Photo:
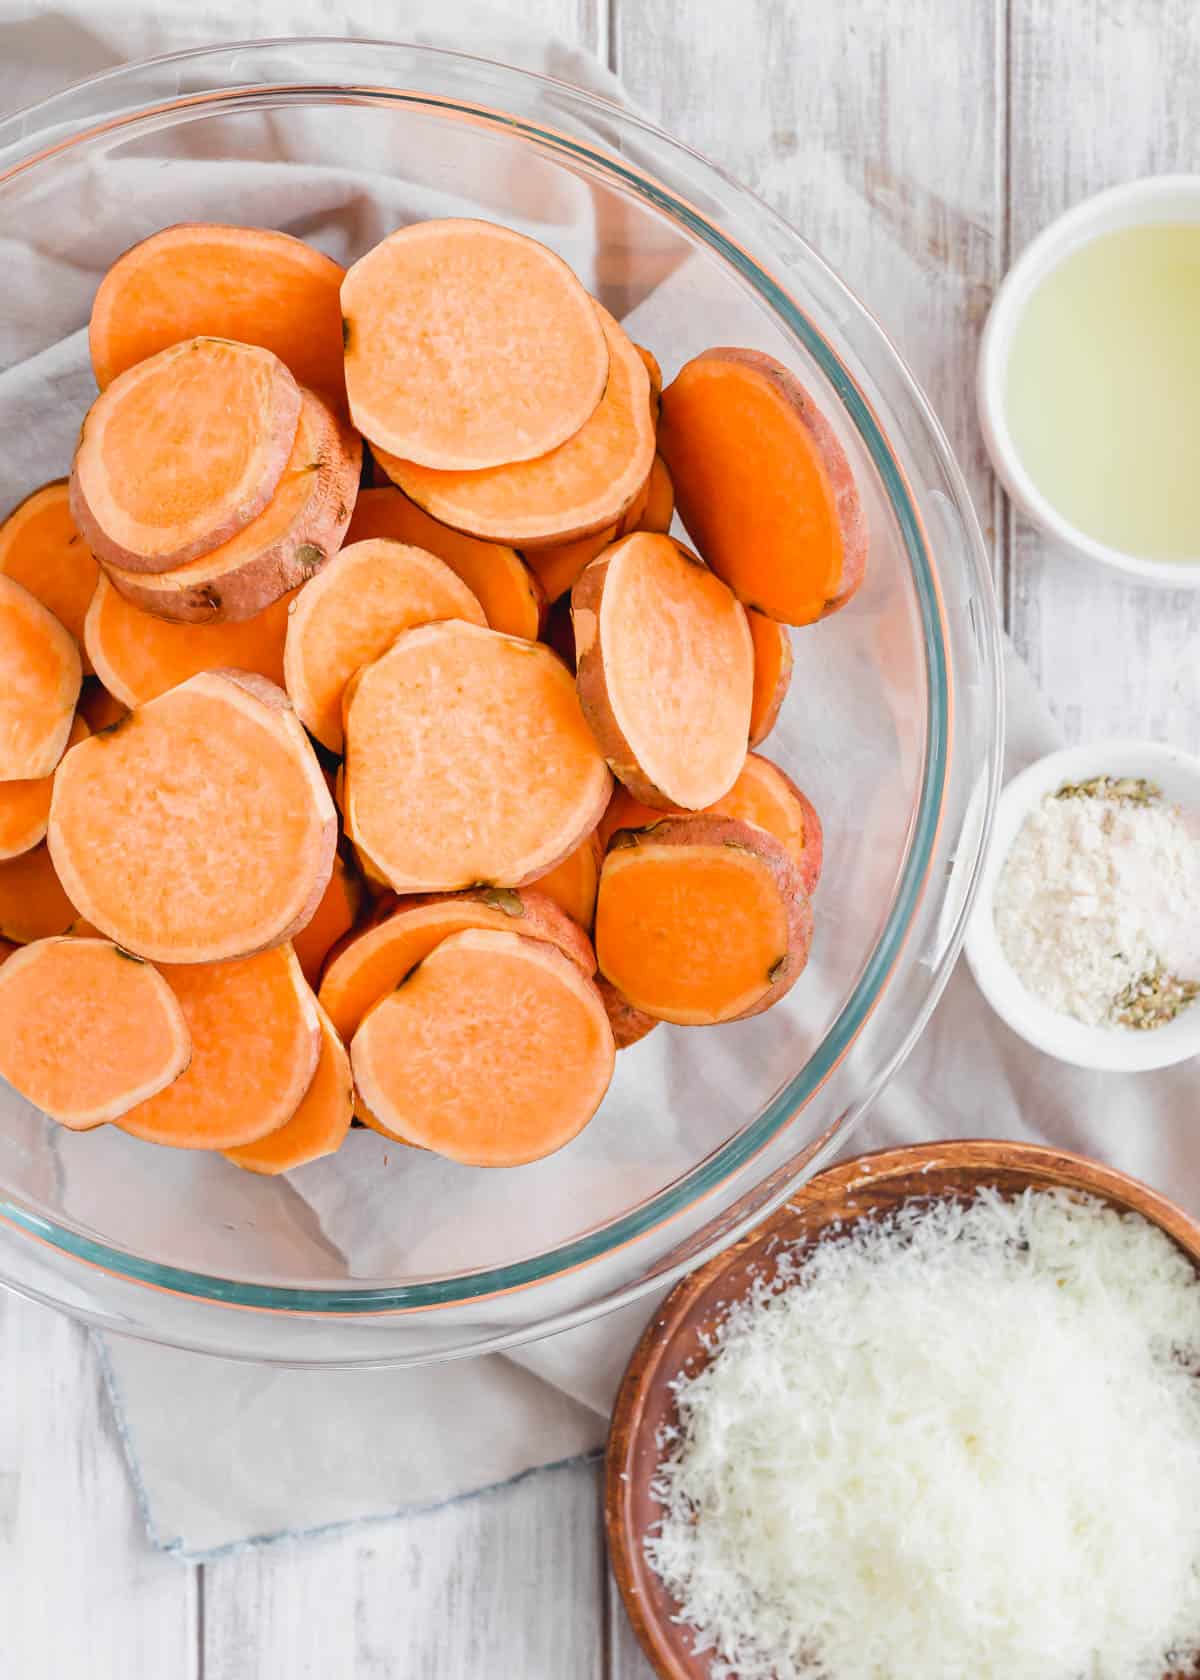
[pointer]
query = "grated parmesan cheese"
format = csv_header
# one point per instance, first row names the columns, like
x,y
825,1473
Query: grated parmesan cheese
x,y
959,1441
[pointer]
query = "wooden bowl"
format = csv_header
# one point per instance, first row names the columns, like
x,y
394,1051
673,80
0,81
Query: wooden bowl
x,y
671,1343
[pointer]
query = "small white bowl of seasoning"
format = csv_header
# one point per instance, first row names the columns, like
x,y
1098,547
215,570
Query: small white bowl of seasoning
x,y
1085,936
1089,380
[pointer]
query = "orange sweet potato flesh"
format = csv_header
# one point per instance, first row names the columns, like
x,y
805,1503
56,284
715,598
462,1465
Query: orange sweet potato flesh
x,y
33,904
352,612
468,761
181,452
204,280
339,909
665,671
40,679
138,656
495,1051
468,346
289,542
98,708
506,589
321,1122
629,1025
200,828
25,806
763,485
654,374
558,567
659,509
701,919
772,673
762,795
404,931
87,1031
572,884
631,519
42,549
580,487
256,1041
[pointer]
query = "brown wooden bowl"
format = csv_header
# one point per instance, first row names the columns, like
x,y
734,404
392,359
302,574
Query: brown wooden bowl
x,y
671,1343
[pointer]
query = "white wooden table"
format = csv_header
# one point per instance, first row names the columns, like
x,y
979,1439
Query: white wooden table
x,y
919,144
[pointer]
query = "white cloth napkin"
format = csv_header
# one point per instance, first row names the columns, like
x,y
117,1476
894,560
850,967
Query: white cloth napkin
x,y
226,1455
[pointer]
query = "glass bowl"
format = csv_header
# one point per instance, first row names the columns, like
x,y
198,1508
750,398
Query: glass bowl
x,y
893,724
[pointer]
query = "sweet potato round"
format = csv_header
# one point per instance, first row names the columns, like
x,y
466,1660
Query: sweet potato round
x,y
352,612
497,576
763,485
572,883
40,678
25,806
701,919
772,673
665,669
41,548
580,487
289,542
181,452
341,905
321,1122
256,1042
33,904
203,279
469,345
558,568
198,829
468,761
87,1031
659,509
495,1051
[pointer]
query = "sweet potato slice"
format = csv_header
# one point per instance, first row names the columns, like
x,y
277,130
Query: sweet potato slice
x,y
201,827
665,671
352,612
203,280
631,519
763,485
403,932
33,904
701,919
772,672
181,452
256,1042
42,549
659,509
580,487
138,656
572,884
468,761
468,346
497,576
629,1025
25,806
320,1124
654,374
98,708
87,1031
289,542
40,679
339,909
557,568
495,1051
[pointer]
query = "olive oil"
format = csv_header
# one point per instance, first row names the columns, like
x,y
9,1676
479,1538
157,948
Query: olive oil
x,y
1103,390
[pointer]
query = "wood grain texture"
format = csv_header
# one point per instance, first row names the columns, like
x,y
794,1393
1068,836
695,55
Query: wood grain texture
x,y
82,1593
1101,93
506,1584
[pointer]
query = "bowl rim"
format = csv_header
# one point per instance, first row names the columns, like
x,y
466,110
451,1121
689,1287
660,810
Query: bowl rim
x,y
1104,1049
1130,204
706,1176
929,1167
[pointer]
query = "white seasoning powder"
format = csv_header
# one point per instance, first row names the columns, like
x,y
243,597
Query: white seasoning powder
x,y
959,1441
1095,894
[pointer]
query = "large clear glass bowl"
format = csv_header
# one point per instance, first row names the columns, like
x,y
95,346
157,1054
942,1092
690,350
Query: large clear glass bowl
x,y
893,723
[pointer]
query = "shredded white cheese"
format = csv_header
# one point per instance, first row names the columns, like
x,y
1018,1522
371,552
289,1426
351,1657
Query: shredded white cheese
x,y
961,1441
1094,895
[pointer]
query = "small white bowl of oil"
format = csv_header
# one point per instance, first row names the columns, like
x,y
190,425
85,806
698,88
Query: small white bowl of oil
x,y
1089,380
1117,1049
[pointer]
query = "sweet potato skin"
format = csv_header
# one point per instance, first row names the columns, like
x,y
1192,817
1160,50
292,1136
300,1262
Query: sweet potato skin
x,y
629,1025
695,500
718,832
772,654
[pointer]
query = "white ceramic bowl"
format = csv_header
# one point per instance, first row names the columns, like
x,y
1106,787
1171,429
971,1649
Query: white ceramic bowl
x,y
1158,198
1116,1049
